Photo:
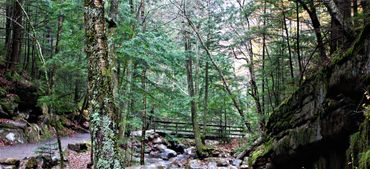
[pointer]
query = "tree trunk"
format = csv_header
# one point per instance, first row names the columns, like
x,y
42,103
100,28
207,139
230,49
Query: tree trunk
x,y
288,43
206,85
366,7
235,100
298,47
254,89
8,25
193,107
143,117
13,58
311,10
101,102
56,50
341,29
263,56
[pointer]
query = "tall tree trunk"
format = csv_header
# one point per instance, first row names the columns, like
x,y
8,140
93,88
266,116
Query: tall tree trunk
x,y
235,100
355,8
56,51
366,7
263,56
206,72
101,102
193,107
206,86
254,89
143,117
143,79
8,26
341,31
298,47
311,10
13,58
285,26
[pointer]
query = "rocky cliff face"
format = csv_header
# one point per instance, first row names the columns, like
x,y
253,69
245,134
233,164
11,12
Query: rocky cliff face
x,y
312,128
21,119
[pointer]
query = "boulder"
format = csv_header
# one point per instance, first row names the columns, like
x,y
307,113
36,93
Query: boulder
x,y
9,103
12,124
7,167
47,162
79,147
158,140
9,161
160,147
12,135
212,165
33,133
221,162
29,163
232,167
196,164
151,137
154,154
179,148
244,166
167,154
191,151
237,162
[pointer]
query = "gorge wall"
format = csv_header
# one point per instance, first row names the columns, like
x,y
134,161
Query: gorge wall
x,y
312,128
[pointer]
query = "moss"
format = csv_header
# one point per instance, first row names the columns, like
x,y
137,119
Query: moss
x,y
358,153
261,151
2,91
354,49
364,162
9,103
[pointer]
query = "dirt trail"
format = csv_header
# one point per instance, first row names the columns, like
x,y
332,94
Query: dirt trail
x,y
20,151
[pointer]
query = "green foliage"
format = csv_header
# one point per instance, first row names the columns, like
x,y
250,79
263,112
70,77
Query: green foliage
x,y
364,160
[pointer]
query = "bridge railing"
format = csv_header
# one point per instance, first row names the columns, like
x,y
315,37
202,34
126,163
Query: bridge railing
x,y
185,129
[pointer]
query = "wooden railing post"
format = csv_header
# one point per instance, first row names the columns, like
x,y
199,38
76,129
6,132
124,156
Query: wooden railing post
x,y
176,129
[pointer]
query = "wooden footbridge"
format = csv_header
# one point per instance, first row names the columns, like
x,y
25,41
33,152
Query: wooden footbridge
x,y
185,130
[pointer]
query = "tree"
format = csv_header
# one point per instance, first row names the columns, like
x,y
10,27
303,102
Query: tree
x,y
101,103
193,107
311,10
341,29
14,45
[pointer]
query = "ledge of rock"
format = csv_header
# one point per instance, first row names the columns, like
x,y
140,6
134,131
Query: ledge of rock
x,y
311,129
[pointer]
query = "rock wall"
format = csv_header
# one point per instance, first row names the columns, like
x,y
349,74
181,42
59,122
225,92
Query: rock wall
x,y
312,128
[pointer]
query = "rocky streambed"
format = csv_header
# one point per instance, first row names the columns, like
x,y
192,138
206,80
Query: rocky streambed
x,y
162,151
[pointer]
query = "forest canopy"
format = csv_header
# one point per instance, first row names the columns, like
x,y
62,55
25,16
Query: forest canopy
x,y
121,65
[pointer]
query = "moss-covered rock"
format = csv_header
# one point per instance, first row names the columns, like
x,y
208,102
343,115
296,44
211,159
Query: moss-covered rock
x,y
358,153
313,126
9,103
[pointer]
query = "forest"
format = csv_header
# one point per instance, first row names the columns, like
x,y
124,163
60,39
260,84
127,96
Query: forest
x,y
193,84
